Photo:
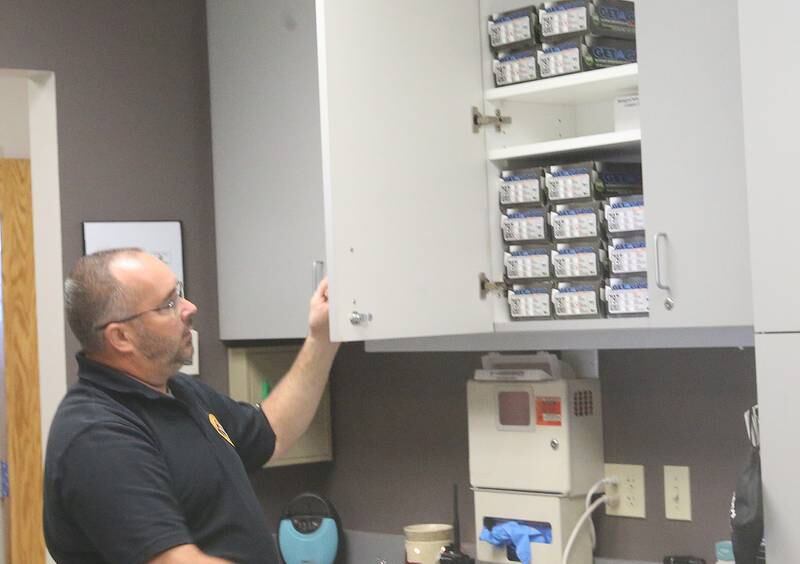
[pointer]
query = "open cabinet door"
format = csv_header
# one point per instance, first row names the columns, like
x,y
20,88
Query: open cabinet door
x,y
403,173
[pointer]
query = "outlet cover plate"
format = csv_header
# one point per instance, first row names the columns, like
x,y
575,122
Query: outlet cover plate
x,y
677,493
630,490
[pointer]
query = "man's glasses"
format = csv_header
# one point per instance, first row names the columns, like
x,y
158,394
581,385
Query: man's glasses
x,y
170,305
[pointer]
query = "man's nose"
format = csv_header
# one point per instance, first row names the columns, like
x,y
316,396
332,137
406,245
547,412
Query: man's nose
x,y
188,309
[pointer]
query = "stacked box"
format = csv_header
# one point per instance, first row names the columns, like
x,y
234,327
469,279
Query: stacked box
x,y
513,30
555,221
584,53
604,18
577,300
530,301
515,67
572,222
523,186
527,262
626,289
578,260
526,232
626,297
561,38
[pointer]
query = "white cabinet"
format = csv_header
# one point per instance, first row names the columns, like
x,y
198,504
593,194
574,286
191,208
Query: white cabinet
x,y
404,176
776,370
411,213
411,219
253,372
693,162
267,173
771,122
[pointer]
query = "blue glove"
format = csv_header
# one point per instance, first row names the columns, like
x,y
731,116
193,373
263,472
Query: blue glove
x,y
521,536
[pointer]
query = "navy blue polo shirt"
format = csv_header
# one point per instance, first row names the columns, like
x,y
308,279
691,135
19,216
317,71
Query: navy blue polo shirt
x,y
131,472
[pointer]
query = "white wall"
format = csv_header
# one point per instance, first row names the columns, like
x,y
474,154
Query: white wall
x,y
14,138
28,129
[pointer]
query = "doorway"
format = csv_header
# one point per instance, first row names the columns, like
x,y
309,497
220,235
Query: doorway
x,y
34,372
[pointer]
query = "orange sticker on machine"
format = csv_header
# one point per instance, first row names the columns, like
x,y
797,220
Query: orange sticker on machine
x,y
548,411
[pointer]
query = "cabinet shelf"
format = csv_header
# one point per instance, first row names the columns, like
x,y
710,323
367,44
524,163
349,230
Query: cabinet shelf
x,y
572,88
550,325
602,141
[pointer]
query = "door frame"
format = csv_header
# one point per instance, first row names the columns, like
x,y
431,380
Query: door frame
x,y
48,254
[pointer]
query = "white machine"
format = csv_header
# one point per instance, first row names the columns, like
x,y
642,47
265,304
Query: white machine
x,y
535,450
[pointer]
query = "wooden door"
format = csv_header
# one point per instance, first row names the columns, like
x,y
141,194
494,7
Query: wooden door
x,y
22,412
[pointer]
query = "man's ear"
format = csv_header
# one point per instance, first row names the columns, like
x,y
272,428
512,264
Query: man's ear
x,y
118,338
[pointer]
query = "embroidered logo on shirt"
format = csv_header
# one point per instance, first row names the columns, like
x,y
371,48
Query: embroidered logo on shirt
x,y
220,429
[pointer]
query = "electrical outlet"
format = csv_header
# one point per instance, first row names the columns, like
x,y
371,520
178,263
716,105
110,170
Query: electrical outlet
x,y
677,493
629,490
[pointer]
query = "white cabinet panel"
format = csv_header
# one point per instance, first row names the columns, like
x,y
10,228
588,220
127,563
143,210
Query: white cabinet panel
x,y
693,163
404,175
267,164
778,386
770,86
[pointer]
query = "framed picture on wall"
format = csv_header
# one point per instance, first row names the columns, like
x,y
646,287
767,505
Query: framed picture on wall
x,y
163,239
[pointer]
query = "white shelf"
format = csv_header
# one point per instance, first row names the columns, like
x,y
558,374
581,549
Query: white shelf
x,y
549,325
575,88
614,140
574,335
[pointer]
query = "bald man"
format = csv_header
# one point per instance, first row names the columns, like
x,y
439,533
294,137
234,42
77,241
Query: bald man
x,y
146,465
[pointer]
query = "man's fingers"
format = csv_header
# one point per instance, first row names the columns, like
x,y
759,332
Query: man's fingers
x,y
322,290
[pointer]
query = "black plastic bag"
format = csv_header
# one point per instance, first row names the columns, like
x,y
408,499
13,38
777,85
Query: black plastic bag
x,y
747,506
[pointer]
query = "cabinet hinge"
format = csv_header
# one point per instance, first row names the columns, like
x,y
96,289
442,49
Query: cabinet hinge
x,y
479,120
487,286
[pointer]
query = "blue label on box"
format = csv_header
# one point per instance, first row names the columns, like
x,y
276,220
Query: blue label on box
x,y
529,252
620,178
576,251
516,56
531,176
633,204
573,289
512,16
529,213
524,291
570,171
561,47
616,14
562,7
629,286
634,245
613,54
579,211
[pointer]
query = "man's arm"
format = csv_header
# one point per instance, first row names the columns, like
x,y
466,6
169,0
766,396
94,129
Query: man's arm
x,y
292,404
186,554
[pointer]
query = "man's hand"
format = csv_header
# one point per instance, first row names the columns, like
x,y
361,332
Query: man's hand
x,y
292,404
318,314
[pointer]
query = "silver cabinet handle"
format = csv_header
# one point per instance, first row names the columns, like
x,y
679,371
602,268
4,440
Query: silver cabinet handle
x,y
659,281
357,318
669,303
317,273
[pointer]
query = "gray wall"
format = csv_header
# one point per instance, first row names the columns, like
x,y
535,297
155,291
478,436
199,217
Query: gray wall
x,y
400,442
134,143
133,126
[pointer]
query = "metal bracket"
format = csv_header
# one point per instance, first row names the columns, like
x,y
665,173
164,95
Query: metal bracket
x,y
479,120
487,286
